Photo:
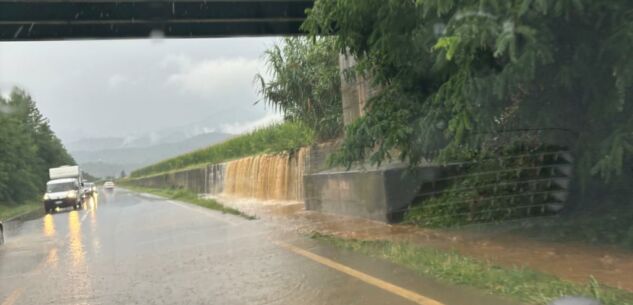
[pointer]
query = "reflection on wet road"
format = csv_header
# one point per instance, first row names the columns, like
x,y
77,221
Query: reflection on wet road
x,y
130,249
76,246
49,225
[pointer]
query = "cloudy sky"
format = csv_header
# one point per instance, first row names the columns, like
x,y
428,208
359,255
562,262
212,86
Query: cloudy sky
x,y
118,88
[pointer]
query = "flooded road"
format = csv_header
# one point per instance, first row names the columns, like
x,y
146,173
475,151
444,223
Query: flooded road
x,y
139,249
572,261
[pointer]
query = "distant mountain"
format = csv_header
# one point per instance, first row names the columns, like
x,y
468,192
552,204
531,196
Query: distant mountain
x,y
221,121
109,155
93,144
143,140
101,160
102,170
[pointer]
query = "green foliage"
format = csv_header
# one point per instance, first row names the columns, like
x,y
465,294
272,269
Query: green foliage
x,y
88,177
28,147
522,284
11,210
273,139
451,71
306,84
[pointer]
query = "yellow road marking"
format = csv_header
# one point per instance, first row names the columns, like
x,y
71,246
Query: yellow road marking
x,y
15,294
397,290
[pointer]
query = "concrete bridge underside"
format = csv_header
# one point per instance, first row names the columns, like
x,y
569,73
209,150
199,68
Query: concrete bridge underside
x,y
23,20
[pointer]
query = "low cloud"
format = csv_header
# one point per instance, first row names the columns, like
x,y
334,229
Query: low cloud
x,y
118,80
213,78
238,128
137,86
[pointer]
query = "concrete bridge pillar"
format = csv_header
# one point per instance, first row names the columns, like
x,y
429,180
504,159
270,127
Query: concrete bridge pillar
x,y
355,90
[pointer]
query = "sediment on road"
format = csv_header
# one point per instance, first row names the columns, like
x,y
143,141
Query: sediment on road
x,y
573,262
521,283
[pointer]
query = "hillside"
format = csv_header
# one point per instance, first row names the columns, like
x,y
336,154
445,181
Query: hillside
x,y
276,138
111,161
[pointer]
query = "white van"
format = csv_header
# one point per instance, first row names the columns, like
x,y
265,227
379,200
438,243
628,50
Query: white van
x,y
61,193
64,189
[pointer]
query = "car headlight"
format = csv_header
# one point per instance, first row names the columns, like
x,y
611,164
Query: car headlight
x,y
71,194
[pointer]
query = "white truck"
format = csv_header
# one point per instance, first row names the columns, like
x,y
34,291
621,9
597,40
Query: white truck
x,y
64,189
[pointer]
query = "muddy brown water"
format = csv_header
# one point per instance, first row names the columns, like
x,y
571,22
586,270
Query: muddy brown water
x,y
571,261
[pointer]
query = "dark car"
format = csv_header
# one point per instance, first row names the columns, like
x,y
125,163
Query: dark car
x,y
89,189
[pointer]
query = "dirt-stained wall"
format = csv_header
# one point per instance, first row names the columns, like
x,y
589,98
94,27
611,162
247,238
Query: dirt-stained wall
x,y
265,177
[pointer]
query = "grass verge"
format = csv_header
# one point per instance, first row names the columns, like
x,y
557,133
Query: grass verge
x,y
190,197
273,139
522,284
8,211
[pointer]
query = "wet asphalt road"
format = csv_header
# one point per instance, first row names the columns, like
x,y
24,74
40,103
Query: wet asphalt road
x,y
127,248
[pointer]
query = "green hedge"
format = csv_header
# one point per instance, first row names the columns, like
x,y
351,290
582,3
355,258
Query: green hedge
x,y
273,139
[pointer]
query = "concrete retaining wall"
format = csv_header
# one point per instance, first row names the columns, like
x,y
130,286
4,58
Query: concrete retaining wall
x,y
273,176
266,177
379,193
317,155
191,179
356,90
215,178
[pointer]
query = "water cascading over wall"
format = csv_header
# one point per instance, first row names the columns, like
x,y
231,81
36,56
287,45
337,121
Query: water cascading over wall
x,y
266,177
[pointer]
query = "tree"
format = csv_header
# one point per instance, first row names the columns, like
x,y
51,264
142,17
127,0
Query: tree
x,y
50,151
452,72
87,176
305,84
18,178
28,148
